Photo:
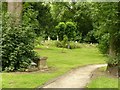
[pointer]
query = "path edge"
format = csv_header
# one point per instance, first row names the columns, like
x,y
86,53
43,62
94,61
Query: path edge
x,y
58,77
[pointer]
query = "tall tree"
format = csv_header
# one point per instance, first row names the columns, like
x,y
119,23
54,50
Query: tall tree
x,y
107,22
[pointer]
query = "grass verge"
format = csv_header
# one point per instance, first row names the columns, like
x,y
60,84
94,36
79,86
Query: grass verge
x,y
104,82
102,79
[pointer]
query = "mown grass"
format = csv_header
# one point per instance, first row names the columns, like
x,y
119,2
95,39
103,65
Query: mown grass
x,y
0,80
61,62
104,82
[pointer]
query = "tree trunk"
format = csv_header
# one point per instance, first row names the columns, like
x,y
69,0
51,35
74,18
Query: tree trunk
x,y
111,48
111,68
15,10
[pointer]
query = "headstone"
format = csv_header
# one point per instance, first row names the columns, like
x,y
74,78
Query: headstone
x,y
57,38
48,38
76,42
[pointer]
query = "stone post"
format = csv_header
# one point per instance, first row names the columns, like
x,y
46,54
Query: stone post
x,y
42,63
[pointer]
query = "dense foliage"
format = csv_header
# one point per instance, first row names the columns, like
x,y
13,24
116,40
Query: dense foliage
x,y
107,29
17,43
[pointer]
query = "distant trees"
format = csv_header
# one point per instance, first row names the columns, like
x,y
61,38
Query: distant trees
x,y
77,12
44,18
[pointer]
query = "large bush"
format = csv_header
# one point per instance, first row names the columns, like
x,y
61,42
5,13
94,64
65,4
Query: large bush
x,y
60,29
68,29
17,45
104,43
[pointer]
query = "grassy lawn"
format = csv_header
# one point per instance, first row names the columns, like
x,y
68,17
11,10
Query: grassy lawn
x,y
104,82
61,62
0,81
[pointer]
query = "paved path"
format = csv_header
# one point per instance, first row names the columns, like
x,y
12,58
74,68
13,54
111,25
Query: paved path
x,y
77,78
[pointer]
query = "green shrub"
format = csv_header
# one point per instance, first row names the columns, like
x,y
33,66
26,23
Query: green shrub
x,y
17,45
69,45
114,60
65,41
70,30
58,44
77,45
60,29
38,41
49,43
104,43
74,45
17,48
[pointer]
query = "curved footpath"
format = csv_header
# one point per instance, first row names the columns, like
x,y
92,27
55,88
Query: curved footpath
x,y
77,78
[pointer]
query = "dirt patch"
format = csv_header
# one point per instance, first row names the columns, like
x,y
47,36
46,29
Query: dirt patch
x,y
49,70
97,73
38,49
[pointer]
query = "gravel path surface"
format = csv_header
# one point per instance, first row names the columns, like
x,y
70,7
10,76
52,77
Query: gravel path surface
x,y
77,78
